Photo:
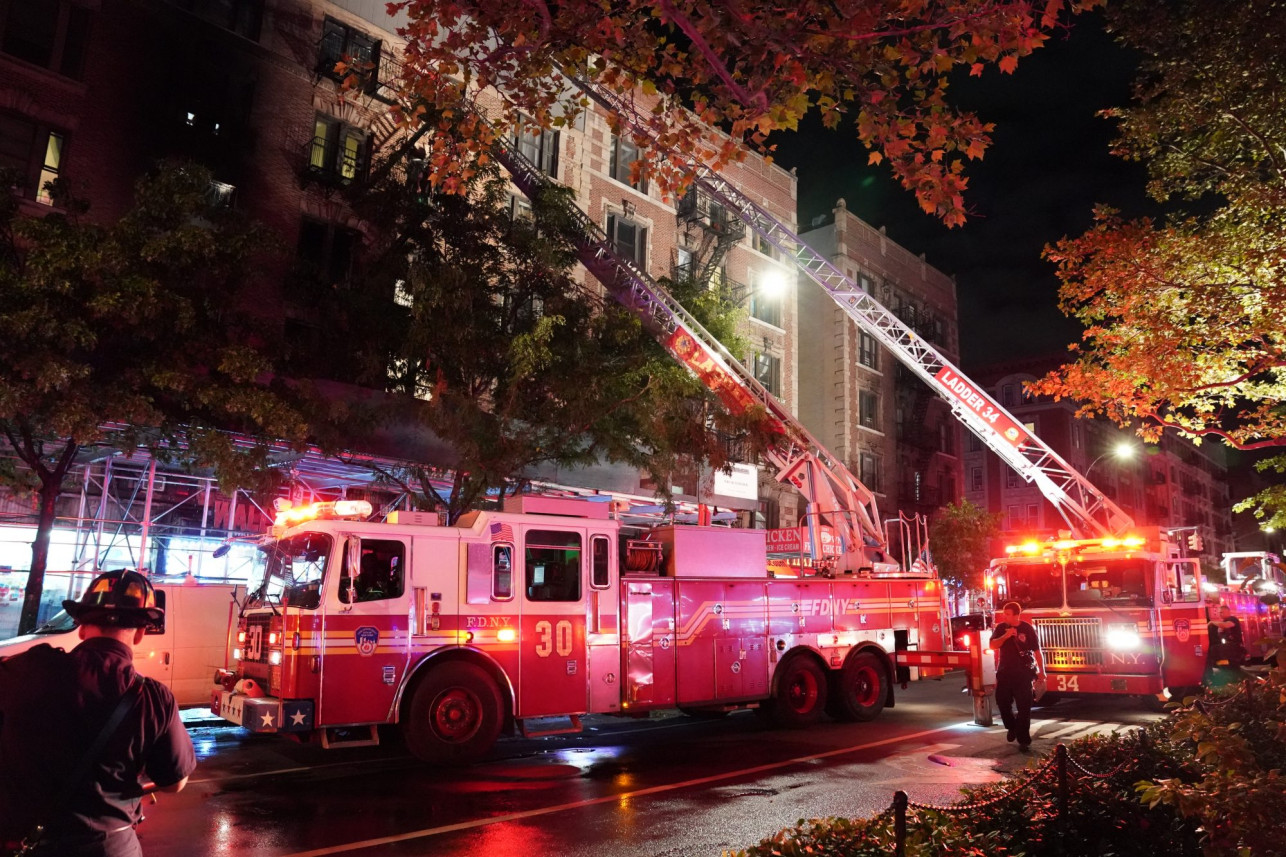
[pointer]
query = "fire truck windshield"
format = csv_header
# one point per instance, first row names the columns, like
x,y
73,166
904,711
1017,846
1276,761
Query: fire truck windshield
x,y
289,572
1090,582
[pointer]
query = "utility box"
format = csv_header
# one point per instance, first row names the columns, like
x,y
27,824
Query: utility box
x,y
712,551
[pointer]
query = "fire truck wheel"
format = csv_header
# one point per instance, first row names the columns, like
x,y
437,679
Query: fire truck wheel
x,y
454,716
861,688
800,699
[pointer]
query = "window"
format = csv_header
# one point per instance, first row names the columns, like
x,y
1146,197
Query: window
x,y
380,575
868,409
946,438
975,478
763,246
765,298
620,167
33,151
243,17
553,566
1008,395
1012,480
342,43
502,572
973,443
628,238
328,249
868,353
49,33
538,146
600,575
868,468
866,283
767,371
337,152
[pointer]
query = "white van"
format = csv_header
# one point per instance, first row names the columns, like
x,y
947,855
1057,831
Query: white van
x,y
184,655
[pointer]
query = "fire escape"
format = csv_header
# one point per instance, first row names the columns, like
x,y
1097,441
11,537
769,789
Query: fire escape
x,y
709,232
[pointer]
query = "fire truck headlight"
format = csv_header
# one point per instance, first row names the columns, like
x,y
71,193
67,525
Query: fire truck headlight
x,y
274,657
1122,636
236,654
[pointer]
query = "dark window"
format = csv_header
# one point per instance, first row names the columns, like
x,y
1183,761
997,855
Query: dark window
x,y
628,238
868,466
868,409
975,478
342,43
601,575
381,575
763,246
868,352
33,151
49,33
243,17
624,154
337,152
540,147
974,443
767,371
328,249
553,566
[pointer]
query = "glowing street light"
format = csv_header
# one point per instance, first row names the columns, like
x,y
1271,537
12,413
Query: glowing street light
x,y
1122,451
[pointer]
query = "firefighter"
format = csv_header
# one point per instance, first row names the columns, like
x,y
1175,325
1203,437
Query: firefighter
x,y
1231,647
1021,663
54,705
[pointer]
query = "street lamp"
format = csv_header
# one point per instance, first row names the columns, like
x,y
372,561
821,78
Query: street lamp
x,y
1123,451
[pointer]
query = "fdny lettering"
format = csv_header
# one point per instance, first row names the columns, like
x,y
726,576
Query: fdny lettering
x,y
367,638
1131,658
487,622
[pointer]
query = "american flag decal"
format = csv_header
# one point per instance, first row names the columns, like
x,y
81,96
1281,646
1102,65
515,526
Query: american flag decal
x,y
502,532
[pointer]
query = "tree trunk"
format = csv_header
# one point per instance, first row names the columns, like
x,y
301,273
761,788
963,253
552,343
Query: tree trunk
x,y
49,490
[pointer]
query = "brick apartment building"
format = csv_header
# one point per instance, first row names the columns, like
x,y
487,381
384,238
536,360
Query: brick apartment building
x,y
859,400
97,91
1173,485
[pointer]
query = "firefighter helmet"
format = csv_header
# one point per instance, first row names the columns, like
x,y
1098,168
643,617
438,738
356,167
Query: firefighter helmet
x,y
124,599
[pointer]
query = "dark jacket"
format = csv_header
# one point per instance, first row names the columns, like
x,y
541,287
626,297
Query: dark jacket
x,y
52,706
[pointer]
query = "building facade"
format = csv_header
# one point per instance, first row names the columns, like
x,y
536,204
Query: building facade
x,y
96,92
860,400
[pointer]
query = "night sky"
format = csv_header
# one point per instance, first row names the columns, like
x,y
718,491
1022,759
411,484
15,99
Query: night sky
x,y
1048,165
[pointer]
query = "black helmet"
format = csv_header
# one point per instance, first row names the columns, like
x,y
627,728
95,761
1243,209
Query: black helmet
x,y
124,599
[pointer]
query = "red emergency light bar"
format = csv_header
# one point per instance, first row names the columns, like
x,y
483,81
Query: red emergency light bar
x,y
1107,543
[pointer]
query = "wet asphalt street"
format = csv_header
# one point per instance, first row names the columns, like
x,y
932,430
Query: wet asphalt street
x,y
664,787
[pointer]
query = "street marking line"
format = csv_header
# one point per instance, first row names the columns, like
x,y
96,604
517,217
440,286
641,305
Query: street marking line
x,y
652,790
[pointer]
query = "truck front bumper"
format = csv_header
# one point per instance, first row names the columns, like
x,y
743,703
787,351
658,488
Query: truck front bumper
x,y
266,713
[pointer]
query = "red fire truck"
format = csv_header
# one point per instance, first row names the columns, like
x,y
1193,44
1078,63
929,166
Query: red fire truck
x,y
1124,615
507,618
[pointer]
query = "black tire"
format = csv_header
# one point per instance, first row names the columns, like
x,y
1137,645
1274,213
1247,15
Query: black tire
x,y
800,698
455,715
860,689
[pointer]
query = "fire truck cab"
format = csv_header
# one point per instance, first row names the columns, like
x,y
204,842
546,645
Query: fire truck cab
x,y
1124,615
456,633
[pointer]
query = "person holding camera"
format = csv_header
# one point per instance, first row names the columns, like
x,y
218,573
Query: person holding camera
x,y
78,729
1019,665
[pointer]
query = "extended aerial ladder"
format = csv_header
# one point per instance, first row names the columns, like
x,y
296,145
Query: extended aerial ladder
x,y
1087,511
835,496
